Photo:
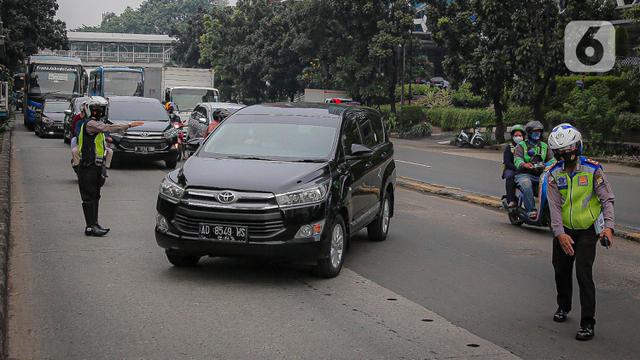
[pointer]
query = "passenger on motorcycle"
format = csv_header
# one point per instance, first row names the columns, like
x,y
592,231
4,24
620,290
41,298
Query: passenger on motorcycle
x,y
509,168
530,158
171,108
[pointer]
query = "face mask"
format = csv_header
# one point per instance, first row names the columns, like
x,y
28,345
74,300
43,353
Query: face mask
x,y
569,158
517,139
535,136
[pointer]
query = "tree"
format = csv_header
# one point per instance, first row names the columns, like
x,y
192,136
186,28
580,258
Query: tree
x,y
29,27
539,47
186,50
479,38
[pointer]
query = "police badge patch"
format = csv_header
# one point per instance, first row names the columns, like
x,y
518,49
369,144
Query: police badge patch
x,y
562,182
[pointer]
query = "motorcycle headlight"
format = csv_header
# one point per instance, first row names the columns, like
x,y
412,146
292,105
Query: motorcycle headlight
x,y
305,197
171,133
171,191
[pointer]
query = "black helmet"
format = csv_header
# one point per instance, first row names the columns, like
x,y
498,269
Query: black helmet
x,y
533,126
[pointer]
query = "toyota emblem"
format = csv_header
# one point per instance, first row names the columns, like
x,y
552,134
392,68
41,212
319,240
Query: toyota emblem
x,y
144,134
226,197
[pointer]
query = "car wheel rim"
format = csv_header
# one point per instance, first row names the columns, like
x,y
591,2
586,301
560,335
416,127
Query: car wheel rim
x,y
337,245
386,215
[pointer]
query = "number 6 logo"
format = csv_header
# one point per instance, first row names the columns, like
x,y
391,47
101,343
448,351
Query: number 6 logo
x,y
589,46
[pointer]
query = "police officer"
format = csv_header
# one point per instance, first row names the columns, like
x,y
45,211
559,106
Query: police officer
x,y
581,208
91,150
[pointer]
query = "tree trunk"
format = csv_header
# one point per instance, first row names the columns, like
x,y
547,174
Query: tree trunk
x,y
499,109
538,101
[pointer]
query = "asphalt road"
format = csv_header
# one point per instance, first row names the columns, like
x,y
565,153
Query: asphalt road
x,y
480,171
73,297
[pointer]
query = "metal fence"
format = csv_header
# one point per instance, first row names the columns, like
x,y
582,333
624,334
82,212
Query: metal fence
x,y
115,57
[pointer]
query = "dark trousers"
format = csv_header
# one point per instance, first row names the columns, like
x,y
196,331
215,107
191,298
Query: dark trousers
x,y
510,184
585,254
90,181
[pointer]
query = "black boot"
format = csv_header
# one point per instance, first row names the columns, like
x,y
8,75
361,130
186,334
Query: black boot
x,y
89,218
94,230
96,210
585,333
560,315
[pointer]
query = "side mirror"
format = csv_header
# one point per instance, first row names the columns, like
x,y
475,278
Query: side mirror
x,y
359,151
67,112
194,144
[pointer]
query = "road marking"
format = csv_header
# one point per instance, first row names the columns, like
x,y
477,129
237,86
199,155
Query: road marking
x,y
413,163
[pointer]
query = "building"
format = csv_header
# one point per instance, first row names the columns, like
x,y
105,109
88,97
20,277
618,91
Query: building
x,y
96,48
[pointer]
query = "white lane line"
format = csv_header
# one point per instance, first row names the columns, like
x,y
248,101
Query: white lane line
x,y
413,163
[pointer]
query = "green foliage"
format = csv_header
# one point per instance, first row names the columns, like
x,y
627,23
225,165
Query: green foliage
x,y
435,97
410,116
555,117
418,131
456,118
627,121
615,85
518,115
416,90
29,26
464,97
594,111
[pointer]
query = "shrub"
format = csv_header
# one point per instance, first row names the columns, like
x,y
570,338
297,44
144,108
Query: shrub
x,y
555,117
518,115
435,98
417,131
456,118
464,97
416,90
614,85
410,116
628,122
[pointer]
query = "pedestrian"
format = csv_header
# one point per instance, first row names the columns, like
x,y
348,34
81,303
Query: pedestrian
x,y
509,169
581,208
92,152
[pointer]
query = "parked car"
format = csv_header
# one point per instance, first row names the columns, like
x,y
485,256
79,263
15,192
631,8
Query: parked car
x,y
50,122
206,116
74,107
292,181
156,140
439,82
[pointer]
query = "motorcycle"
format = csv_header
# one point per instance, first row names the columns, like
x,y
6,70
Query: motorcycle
x,y
181,144
518,215
475,139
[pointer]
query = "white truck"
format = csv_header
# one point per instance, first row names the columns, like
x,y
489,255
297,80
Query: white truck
x,y
186,87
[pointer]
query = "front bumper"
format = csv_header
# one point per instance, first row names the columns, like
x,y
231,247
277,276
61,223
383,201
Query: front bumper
x,y
159,151
52,128
272,233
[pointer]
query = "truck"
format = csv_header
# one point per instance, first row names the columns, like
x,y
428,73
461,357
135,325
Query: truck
x,y
116,80
49,76
185,87
322,95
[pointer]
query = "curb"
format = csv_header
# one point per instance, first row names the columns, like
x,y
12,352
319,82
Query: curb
x,y
480,199
5,212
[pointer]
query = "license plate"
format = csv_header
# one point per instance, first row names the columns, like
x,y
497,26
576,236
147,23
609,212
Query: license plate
x,y
144,149
223,232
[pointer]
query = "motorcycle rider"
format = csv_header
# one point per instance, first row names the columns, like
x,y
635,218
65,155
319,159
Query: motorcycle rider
x,y
509,169
171,108
530,156
91,150
580,203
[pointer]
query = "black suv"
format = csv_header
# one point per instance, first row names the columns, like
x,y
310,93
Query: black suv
x,y
281,180
156,140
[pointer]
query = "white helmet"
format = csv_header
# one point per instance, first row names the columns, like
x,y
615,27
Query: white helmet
x,y
565,135
96,105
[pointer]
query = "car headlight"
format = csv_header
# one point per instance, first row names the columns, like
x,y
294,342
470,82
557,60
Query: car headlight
x,y
171,191
46,120
171,133
116,137
303,197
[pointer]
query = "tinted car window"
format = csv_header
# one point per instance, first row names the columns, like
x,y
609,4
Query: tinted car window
x,y
134,110
351,134
378,127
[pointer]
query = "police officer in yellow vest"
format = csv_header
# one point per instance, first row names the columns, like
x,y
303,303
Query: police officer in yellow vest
x,y
581,208
91,149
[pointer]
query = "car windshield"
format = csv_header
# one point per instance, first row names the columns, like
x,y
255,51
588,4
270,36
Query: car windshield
x,y
56,107
123,83
52,82
134,110
271,137
187,99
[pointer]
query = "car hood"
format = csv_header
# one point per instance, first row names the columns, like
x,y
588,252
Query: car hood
x,y
250,175
55,116
149,126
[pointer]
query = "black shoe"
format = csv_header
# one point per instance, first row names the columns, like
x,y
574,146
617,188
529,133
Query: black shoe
x,y
560,315
101,228
94,230
585,333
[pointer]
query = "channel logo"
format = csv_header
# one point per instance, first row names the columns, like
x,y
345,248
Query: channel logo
x,y
590,46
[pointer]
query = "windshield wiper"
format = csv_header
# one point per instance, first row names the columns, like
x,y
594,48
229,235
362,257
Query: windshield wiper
x,y
310,161
249,158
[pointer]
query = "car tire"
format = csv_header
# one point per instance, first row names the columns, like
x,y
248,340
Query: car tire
x,y
331,265
178,259
379,228
171,162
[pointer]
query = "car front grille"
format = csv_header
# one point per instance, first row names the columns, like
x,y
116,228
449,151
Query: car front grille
x,y
131,143
260,225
